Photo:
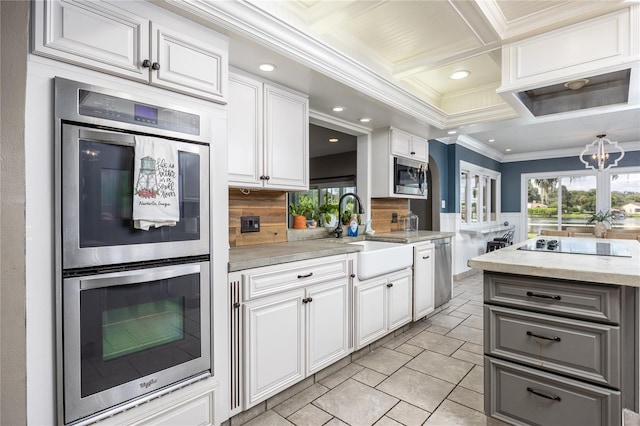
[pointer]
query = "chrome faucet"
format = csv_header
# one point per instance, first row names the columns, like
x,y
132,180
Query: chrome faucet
x,y
358,205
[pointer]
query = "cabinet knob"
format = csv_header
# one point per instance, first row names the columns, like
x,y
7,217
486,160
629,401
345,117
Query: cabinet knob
x,y
307,300
236,305
155,66
353,275
413,153
146,63
390,285
267,177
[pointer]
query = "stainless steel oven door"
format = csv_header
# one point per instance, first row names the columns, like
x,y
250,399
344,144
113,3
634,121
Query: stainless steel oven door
x,y
97,195
129,334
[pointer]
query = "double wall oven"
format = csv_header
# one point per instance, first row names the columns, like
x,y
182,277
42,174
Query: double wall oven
x,y
133,306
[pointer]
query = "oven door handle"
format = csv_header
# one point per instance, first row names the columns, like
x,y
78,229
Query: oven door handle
x,y
114,279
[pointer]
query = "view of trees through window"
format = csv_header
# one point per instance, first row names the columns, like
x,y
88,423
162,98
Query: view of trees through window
x,y
322,198
558,202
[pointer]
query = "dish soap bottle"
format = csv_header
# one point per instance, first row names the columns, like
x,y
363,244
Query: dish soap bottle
x,y
353,227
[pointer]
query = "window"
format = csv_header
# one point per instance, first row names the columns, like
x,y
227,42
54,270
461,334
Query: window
x,y
564,200
479,195
324,193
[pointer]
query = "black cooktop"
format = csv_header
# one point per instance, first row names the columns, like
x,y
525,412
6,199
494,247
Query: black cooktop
x,y
579,246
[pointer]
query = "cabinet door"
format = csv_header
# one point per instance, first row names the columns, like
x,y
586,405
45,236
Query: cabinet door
x,y
328,324
286,140
244,128
274,345
399,291
419,149
92,35
371,312
423,285
196,65
400,143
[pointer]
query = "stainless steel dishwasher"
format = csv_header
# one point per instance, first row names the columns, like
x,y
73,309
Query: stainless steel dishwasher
x,y
443,277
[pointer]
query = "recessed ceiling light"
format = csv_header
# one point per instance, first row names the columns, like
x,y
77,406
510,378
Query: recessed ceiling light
x,y
365,119
491,140
338,109
459,75
451,132
333,140
267,67
508,149
576,84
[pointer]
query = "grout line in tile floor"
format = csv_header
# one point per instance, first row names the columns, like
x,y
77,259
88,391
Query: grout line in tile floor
x,y
422,384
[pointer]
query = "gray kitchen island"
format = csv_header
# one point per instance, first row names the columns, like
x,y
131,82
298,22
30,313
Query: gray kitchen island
x,y
561,331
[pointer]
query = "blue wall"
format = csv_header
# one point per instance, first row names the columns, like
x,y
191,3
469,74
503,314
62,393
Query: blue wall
x,y
448,159
512,174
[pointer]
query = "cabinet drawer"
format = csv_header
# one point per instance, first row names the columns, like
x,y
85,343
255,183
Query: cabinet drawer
x,y
575,299
581,349
524,396
273,279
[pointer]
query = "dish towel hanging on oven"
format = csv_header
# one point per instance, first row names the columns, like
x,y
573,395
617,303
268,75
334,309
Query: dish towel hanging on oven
x,y
155,191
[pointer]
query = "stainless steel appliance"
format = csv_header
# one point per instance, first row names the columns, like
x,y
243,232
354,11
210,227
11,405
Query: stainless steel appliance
x,y
443,272
578,246
97,130
132,333
409,177
133,307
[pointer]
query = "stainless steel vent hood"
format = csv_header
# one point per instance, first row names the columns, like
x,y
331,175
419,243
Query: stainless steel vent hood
x,y
590,92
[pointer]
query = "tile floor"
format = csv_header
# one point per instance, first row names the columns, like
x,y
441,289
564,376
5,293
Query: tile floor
x,y
432,374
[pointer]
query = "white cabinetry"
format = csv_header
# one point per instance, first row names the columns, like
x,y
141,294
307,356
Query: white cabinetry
x,y
382,304
112,38
268,135
404,144
423,280
295,321
389,143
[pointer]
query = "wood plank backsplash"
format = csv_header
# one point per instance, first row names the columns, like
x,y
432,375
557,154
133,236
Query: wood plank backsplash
x,y
271,206
381,212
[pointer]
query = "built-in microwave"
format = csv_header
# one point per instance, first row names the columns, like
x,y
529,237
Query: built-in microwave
x,y
409,177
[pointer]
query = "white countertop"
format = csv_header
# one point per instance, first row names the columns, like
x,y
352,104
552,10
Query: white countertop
x,y
570,266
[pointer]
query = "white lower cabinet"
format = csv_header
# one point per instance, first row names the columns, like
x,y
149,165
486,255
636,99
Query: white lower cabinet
x,y
294,332
423,280
382,304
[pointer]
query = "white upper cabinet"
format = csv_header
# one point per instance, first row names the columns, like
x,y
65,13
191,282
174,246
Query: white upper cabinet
x,y
268,133
167,53
410,146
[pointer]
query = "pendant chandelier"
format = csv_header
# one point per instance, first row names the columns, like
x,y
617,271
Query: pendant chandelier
x,y
601,154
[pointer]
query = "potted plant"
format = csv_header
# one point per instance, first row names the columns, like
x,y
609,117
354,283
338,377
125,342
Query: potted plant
x,y
299,216
328,214
599,220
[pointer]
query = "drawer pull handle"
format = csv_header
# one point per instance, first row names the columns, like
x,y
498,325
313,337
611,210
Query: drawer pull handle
x,y
425,257
390,285
553,397
555,339
306,275
307,300
543,296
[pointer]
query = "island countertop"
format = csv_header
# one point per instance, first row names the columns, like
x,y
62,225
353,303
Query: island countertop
x,y
410,237
570,266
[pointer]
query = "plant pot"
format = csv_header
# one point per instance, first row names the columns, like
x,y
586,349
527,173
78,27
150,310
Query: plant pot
x,y
299,222
332,222
599,230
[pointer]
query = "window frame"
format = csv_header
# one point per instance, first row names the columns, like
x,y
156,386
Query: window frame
x,y
603,187
484,175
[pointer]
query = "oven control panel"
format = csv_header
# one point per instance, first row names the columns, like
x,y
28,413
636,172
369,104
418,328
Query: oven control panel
x,y
100,105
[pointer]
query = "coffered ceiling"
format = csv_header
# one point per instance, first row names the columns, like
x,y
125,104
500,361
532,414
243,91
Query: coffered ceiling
x,y
412,47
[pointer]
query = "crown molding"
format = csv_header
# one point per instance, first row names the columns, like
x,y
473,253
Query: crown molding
x,y
479,147
249,21
337,124
560,153
481,115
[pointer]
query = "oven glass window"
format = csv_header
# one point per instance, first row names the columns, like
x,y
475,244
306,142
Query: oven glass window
x,y
131,331
106,196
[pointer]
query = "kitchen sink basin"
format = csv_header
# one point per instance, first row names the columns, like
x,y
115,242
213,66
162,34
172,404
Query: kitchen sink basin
x,y
379,258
